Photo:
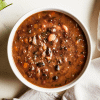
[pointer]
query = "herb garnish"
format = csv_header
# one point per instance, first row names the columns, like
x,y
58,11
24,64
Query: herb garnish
x,y
3,4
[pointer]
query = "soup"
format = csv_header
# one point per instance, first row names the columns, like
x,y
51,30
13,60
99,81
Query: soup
x,y
49,49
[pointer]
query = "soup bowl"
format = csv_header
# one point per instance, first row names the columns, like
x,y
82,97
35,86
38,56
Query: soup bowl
x,y
16,71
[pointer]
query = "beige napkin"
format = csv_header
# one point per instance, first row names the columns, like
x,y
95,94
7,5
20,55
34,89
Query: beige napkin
x,y
88,87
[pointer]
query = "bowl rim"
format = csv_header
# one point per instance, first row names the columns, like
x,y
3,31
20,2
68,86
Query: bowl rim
x,y
16,71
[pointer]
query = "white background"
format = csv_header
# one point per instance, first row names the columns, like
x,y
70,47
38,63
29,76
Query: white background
x,y
85,10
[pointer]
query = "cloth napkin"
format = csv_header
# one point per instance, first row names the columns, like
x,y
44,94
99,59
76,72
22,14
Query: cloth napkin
x,y
88,88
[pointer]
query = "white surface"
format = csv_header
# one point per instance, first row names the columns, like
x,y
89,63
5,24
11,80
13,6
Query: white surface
x,y
86,10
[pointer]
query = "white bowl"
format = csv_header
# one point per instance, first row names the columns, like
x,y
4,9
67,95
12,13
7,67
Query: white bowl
x,y
16,71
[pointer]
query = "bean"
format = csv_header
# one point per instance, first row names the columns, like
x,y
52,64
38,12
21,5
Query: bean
x,y
30,39
39,37
48,58
40,49
55,78
44,74
58,28
24,51
29,26
29,31
48,30
29,47
43,26
33,68
35,52
57,68
43,54
65,59
51,37
48,51
35,56
56,40
59,61
53,30
65,48
65,28
37,72
34,40
69,62
40,64
44,70
44,46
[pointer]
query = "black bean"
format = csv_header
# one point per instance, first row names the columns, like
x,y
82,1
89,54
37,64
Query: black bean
x,y
40,64
61,47
33,68
35,52
45,40
70,63
83,52
55,77
44,74
48,51
59,61
57,67
65,48
48,30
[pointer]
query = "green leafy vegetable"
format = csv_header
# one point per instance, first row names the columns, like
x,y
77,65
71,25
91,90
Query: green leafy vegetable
x,y
3,4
